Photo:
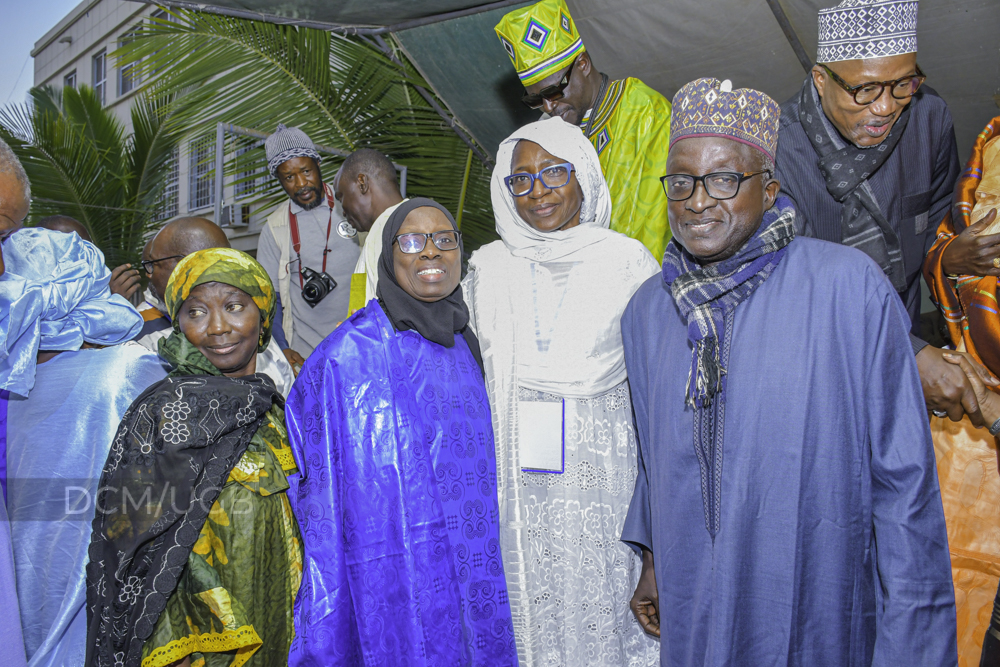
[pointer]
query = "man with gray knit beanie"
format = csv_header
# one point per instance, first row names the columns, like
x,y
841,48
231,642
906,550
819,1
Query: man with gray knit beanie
x,y
307,247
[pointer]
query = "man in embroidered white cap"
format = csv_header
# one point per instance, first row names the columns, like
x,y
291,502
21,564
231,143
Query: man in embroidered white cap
x,y
787,505
868,154
307,247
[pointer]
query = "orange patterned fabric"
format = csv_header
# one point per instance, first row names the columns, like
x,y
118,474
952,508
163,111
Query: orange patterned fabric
x,y
969,303
966,455
970,490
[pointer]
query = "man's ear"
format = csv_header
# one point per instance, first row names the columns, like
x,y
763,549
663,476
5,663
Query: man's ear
x,y
583,63
819,79
771,193
364,185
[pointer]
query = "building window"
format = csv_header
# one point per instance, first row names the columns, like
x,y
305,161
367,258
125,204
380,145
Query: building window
x,y
166,207
128,78
249,161
201,173
99,76
69,81
162,15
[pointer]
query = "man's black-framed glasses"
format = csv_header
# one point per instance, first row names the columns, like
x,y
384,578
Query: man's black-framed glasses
x,y
718,185
147,264
866,93
550,93
552,177
411,244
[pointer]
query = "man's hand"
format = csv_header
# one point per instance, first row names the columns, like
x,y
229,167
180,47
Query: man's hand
x,y
295,359
970,254
124,281
645,602
962,361
947,389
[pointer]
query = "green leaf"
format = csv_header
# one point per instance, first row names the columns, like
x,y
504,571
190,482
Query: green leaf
x,y
82,164
343,92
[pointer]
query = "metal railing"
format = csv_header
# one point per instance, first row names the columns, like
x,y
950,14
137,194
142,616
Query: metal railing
x,y
221,129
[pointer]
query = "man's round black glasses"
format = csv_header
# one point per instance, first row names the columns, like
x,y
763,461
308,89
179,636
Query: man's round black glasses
x,y
147,264
866,93
554,176
550,93
718,185
411,244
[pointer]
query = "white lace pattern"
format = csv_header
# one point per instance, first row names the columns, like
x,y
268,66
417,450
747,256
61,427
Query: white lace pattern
x,y
580,576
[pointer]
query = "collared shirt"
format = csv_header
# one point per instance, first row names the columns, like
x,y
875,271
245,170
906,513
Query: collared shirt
x,y
913,187
312,325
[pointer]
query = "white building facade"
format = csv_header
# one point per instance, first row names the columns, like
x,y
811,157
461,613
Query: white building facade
x,y
78,51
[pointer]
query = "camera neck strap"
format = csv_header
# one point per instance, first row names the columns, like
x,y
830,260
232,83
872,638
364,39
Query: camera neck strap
x,y
293,223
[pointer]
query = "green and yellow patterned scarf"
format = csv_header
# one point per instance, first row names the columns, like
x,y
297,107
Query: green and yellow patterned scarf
x,y
223,265
214,265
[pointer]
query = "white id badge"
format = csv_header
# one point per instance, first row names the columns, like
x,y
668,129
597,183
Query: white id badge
x,y
542,435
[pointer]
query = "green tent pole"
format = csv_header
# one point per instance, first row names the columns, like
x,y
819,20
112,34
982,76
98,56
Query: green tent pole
x,y
465,187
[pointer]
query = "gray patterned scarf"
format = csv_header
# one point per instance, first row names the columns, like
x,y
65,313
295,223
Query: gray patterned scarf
x,y
846,169
707,297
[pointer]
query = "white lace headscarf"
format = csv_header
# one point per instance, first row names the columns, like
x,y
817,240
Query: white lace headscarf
x,y
566,142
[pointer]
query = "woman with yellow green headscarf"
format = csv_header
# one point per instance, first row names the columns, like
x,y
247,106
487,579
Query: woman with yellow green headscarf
x,y
196,556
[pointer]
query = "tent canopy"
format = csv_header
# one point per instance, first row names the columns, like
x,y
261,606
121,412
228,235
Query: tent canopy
x,y
666,43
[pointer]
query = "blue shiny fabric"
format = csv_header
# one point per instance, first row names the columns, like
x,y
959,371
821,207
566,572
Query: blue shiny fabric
x,y
54,295
397,504
58,439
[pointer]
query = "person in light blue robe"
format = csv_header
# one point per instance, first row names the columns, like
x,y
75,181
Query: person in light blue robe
x,y
787,505
68,376
11,639
390,424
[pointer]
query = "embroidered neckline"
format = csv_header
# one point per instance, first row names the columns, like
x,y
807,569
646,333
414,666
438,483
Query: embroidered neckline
x,y
605,108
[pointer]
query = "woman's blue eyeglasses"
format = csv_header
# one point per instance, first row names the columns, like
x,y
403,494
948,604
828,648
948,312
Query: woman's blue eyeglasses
x,y
556,176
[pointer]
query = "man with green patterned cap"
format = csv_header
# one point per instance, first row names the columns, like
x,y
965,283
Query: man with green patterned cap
x,y
627,121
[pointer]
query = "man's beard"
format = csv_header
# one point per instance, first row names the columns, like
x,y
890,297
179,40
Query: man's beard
x,y
310,205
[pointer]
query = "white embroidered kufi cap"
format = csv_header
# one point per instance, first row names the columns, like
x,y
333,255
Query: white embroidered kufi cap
x,y
858,29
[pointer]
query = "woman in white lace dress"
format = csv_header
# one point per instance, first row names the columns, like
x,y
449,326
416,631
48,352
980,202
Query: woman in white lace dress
x,y
545,302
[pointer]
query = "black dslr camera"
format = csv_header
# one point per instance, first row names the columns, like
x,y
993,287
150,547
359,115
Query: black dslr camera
x,y
316,286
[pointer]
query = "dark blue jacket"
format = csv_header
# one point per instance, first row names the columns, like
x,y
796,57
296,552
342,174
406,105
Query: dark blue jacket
x,y
914,186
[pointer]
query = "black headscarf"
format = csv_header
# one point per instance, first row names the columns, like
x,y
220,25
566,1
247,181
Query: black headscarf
x,y
437,321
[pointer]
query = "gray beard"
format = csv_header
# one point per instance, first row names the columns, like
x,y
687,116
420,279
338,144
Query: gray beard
x,y
313,204
318,200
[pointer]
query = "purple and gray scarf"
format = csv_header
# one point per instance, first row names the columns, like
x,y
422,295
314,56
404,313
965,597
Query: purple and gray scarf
x,y
707,297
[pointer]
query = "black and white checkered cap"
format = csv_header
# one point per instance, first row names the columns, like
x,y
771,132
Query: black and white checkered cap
x,y
287,143
860,29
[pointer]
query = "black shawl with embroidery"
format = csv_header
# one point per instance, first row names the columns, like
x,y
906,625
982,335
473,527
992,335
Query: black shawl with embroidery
x,y
170,458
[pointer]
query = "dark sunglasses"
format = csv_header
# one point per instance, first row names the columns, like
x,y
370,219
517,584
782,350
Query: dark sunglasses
x,y
550,93
147,264
866,93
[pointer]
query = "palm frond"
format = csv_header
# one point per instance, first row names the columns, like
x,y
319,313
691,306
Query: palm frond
x,y
82,164
343,92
